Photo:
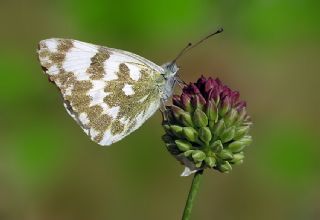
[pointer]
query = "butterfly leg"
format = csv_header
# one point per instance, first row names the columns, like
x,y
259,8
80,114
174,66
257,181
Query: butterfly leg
x,y
164,111
180,82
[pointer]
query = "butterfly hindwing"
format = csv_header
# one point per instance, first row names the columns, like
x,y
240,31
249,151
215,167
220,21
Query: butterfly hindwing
x,y
109,92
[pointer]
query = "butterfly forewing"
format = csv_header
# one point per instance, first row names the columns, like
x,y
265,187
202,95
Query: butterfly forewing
x,y
109,92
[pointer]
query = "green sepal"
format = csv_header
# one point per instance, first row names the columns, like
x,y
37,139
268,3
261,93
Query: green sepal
x,y
188,153
211,124
225,155
228,134
237,158
236,146
183,145
210,161
166,127
176,130
216,146
176,111
199,164
200,119
231,117
198,156
190,134
241,131
186,119
240,144
225,167
225,106
186,103
218,128
205,135
246,139
212,111
196,103
241,116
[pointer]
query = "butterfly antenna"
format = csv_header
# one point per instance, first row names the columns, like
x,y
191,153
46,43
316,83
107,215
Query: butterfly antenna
x,y
190,45
182,52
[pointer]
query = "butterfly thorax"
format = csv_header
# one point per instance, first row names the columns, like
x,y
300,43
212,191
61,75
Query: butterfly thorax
x,y
170,71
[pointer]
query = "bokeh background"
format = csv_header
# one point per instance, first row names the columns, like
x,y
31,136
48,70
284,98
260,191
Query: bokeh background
x,y
49,169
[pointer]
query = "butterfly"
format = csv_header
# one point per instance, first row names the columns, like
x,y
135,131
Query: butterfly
x,y
109,92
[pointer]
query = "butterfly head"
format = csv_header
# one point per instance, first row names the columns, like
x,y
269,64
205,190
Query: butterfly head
x,y
170,69
169,74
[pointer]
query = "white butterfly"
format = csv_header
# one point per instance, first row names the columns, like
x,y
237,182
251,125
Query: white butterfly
x,y
109,92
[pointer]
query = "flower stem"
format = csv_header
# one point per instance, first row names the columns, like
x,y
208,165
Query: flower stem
x,y
192,194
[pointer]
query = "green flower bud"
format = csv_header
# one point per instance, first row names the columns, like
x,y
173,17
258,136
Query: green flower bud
x,y
241,116
225,106
186,119
240,144
217,146
231,117
228,134
218,128
183,145
186,102
198,156
188,153
247,139
212,111
210,161
190,134
166,127
236,146
237,158
225,155
225,167
205,135
197,102
199,118
176,111
211,125
199,164
176,130
241,131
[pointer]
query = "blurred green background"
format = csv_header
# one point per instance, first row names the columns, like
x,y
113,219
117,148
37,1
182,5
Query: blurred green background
x,y
49,169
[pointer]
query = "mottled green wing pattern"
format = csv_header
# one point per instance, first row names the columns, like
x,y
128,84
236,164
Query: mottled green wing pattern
x,y
109,92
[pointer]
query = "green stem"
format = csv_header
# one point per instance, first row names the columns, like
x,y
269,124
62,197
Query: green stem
x,y
192,194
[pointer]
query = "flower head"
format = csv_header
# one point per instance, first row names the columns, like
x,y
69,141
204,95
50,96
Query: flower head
x,y
207,126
